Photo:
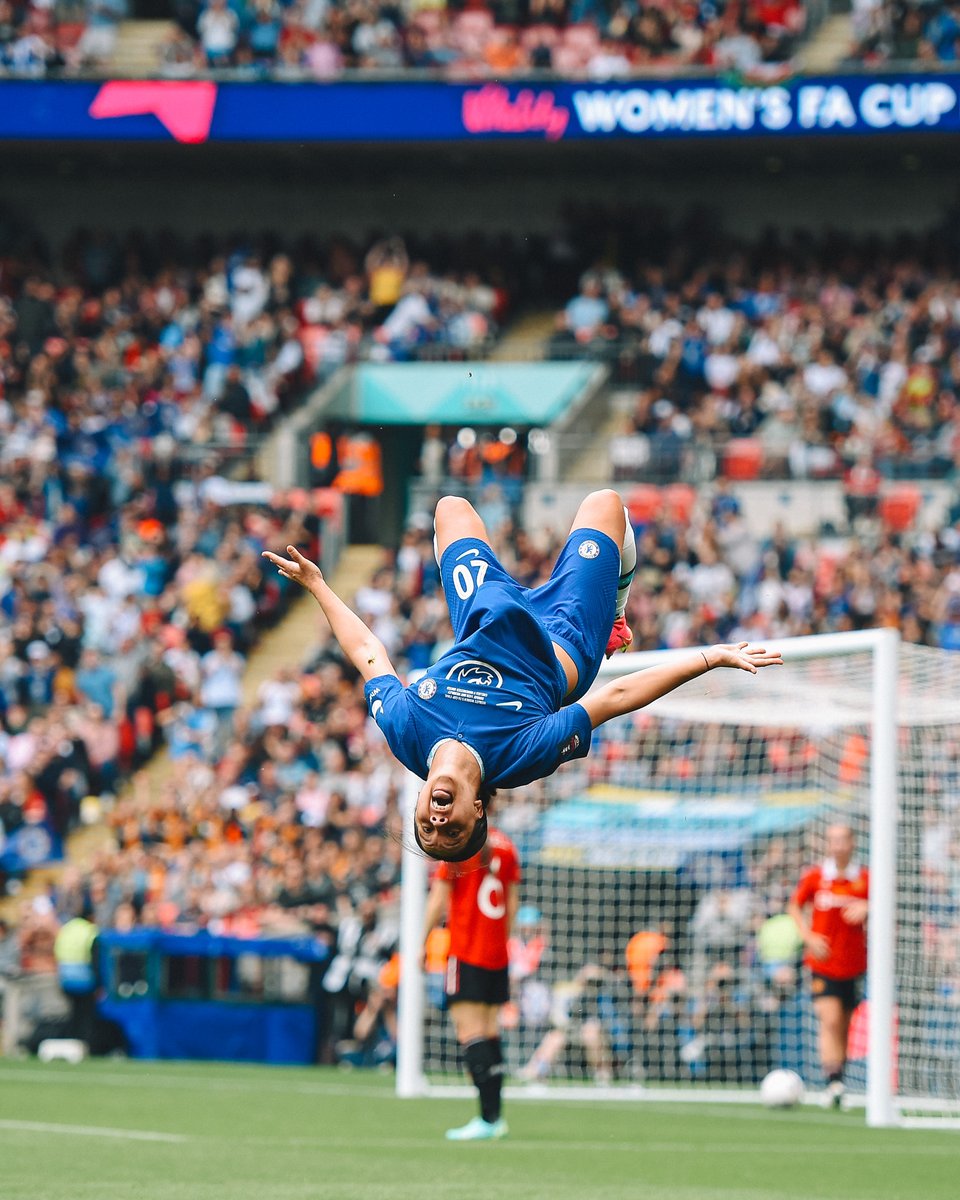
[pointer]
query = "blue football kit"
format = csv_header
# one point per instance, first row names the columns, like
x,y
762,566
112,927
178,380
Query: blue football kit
x,y
501,690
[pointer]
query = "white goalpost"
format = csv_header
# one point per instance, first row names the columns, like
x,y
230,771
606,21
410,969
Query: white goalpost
x,y
653,961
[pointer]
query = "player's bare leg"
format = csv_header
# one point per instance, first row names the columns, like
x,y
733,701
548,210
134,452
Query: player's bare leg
x,y
604,510
834,1027
456,518
477,1028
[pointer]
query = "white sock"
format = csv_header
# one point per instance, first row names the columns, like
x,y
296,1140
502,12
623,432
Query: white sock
x,y
628,565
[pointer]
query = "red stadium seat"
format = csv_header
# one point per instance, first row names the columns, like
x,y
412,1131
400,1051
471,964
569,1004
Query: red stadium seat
x,y
678,500
899,507
743,458
644,503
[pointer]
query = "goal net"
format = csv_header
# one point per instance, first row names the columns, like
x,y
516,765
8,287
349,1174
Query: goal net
x,y
652,953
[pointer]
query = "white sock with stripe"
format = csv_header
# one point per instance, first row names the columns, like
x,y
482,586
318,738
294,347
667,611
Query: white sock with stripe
x,y
628,565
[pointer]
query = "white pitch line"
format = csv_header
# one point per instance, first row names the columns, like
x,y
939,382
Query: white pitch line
x,y
320,1143
101,1131
784,1149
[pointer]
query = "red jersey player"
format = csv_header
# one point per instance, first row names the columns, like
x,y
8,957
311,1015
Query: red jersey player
x,y
479,899
836,894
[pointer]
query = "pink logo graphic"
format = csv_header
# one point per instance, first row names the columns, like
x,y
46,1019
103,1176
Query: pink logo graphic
x,y
490,110
185,110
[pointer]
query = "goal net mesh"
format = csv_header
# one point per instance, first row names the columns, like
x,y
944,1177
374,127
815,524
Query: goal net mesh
x,y
652,944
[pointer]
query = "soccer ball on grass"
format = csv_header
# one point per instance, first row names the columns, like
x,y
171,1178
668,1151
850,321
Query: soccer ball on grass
x,y
781,1089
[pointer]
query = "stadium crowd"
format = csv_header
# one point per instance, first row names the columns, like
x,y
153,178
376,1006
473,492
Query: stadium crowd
x,y
819,356
238,325
897,31
592,38
304,39
283,818
135,375
43,36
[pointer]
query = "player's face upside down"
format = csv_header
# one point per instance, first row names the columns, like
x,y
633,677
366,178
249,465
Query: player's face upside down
x,y
449,804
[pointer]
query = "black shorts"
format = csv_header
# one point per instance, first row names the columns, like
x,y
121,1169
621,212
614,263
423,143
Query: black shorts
x,y
478,985
847,991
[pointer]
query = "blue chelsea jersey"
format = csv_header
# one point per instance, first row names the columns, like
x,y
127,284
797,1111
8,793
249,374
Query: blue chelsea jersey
x,y
500,690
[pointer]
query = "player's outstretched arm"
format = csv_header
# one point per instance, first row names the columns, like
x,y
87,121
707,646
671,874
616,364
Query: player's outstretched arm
x,y
367,653
643,687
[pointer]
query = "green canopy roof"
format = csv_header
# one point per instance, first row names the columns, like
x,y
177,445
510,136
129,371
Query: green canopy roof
x,y
480,393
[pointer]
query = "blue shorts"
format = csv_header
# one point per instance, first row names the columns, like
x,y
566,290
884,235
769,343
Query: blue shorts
x,y
576,606
578,603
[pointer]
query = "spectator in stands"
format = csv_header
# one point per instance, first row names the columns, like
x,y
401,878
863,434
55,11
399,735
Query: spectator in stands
x,y
221,673
219,29
9,24
263,33
32,52
719,931
586,313
98,41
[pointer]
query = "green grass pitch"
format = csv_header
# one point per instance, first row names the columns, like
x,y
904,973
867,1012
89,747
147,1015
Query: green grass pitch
x,y
177,1131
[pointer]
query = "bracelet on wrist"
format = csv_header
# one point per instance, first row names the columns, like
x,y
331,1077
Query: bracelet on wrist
x,y
704,657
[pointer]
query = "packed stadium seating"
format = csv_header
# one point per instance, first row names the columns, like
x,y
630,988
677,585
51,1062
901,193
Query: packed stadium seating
x,y
322,41
575,40
785,357
129,387
129,576
37,39
896,32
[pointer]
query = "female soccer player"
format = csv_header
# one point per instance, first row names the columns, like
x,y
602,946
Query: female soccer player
x,y
836,895
507,705
479,902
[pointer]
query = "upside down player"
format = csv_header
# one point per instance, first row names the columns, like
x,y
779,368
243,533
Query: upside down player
x,y
835,938
479,901
507,704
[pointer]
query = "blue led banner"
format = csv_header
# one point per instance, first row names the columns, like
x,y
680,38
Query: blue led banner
x,y
194,111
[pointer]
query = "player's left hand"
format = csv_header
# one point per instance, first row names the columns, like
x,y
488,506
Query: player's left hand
x,y
297,567
854,912
743,657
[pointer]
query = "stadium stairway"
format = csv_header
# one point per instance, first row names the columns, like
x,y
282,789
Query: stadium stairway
x,y
526,339
828,46
138,47
592,466
287,644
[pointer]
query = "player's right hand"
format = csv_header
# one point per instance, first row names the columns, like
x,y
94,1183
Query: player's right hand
x,y
297,567
818,945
